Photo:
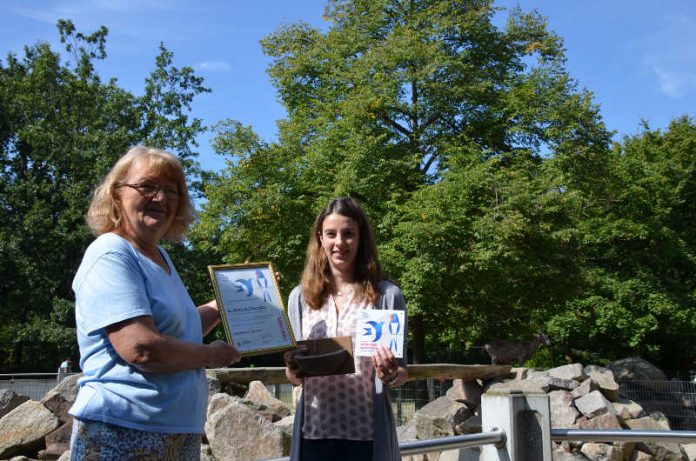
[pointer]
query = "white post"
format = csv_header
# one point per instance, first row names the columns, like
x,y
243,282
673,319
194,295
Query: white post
x,y
526,420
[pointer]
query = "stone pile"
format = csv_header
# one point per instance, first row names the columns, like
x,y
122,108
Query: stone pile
x,y
37,430
580,398
247,422
244,423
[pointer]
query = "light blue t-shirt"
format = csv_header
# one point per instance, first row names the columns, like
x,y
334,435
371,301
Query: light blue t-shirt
x,y
116,282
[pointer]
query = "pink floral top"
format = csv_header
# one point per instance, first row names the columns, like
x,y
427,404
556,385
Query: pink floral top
x,y
337,406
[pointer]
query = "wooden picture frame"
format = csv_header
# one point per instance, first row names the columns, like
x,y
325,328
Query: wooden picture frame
x,y
251,308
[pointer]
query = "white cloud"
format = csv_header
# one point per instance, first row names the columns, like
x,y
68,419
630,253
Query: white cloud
x,y
671,83
214,66
671,54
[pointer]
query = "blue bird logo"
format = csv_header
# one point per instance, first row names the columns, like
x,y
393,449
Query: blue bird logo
x,y
377,327
245,285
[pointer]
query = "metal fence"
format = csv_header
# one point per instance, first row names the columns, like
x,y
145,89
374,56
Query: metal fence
x,y
32,385
675,399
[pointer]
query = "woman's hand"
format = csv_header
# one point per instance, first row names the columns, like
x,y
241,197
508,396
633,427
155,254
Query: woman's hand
x,y
387,367
222,354
292,370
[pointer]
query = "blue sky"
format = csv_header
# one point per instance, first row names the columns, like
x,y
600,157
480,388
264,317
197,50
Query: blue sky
x,y
638,57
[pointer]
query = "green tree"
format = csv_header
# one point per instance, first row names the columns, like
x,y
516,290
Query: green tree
x,y
637,253
61,130
393,105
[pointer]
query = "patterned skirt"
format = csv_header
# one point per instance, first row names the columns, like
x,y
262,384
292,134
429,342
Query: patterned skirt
x,y
98,441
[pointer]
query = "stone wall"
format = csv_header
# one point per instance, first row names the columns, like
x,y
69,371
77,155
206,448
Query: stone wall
x,y
580,398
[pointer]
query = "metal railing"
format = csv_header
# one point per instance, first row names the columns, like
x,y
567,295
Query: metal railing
x,y
618,435
418,447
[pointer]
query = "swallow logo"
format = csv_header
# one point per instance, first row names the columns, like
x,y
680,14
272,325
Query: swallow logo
x,y
245,285
374,328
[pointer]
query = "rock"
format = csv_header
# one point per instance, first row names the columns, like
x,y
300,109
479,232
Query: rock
x,y
258,393
214,385
68,388
58,405
207,453
601,452
468,392
562,453
562,384
236,432
654,422
437,418
9,400
470,426
57,442
665,451
636,368
585,388
628,409
521,385
603,421
604,379
407,432
594,404
690,451
22,430
641,456
563,412
573,371
65,456
286,424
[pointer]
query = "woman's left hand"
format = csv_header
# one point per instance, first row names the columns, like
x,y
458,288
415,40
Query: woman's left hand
x,y
387,367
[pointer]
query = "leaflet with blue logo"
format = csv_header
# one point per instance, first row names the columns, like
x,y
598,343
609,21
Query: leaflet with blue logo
x,y
379,327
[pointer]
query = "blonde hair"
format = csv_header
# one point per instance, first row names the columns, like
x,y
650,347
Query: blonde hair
x,y
104,214
317,280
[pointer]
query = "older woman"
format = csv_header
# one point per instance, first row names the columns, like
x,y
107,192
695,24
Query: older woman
x,y
144,390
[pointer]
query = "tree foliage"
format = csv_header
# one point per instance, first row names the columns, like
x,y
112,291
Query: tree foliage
x,y
61,130
403,105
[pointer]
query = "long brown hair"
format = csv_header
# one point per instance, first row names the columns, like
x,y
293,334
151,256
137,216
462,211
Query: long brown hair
x,y
317,280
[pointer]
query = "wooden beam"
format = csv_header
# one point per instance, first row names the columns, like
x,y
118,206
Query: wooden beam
x,y
440,371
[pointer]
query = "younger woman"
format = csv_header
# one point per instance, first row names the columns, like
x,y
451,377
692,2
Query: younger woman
x,y
343,417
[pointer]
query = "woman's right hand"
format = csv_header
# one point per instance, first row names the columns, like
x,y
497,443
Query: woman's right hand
x,y
292,370
222,354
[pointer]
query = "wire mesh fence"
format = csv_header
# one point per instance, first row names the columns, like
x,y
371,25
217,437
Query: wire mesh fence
x,y
406,399
675,399
34,388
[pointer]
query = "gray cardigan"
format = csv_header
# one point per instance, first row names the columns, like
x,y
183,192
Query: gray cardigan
x,y
385,445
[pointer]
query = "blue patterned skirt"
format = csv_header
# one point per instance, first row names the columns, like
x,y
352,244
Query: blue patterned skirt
x,y
98,441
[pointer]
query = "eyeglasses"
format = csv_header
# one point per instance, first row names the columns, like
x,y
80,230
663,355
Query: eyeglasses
x,y
151,190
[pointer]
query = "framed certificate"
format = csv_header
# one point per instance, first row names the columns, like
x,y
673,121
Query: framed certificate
x,y
252,311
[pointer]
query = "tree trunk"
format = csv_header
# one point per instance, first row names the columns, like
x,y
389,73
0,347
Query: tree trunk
x,y
418,331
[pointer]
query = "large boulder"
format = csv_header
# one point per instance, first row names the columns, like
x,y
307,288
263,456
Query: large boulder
x,y
563,412
22,430
573,371
604,379
57,442
438,418
468,392
258,393
236,432
601,452
594,404
636,369
9,400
